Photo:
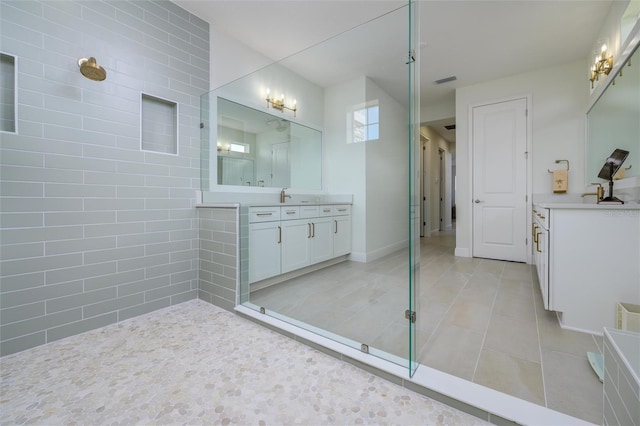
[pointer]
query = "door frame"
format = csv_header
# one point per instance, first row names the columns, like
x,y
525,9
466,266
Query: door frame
x,y
528,172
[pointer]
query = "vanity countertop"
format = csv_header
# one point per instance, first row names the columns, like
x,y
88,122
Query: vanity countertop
x,y
301,203
588,206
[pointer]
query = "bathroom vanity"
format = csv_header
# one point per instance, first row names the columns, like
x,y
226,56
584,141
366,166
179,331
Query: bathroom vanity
x,y
285,238
587,258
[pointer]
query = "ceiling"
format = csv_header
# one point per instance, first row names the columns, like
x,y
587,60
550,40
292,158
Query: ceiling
x,y
474,40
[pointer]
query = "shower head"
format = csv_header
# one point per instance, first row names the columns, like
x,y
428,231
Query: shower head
x,y
90,69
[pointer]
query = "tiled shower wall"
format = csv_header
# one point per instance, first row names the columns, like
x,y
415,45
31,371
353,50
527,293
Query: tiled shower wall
x,y
95,230
219,239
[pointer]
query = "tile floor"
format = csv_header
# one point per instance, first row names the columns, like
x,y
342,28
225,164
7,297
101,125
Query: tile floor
x,y
194,363
478,319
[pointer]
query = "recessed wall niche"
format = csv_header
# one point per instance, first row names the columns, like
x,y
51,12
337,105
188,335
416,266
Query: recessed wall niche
x,y
7,93
159,125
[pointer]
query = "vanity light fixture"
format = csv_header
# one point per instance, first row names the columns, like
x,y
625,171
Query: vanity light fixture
x,y
278,103
602,65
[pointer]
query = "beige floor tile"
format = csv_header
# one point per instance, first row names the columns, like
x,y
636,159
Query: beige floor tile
x,y
517,271
453,350
572,386
469,315
458,300
554,338
515,306
509,374
514,337
479,291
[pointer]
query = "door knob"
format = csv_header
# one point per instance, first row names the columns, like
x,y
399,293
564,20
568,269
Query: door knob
x,y
477,201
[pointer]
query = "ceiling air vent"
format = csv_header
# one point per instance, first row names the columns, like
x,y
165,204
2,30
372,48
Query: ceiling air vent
x,y
450,127
446,79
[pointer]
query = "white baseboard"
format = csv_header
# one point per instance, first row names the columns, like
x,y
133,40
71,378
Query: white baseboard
x,y
462,252
366,257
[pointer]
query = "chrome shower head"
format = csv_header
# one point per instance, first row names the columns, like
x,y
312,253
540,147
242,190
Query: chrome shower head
x,y
90,69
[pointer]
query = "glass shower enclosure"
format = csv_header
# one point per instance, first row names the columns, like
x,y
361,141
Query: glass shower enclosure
x,y
336,125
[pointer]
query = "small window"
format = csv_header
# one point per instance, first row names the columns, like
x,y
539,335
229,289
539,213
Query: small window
x,y
239,147
365,124
159,125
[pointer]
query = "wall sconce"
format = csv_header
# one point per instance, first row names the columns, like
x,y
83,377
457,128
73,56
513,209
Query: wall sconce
x,y
278,103
602,65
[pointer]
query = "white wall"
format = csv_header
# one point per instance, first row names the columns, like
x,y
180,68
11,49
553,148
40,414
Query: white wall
x,y
344,165
374,172
387,177
559,97
230,59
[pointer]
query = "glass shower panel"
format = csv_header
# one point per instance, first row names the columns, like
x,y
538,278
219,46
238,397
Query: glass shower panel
x,y
414,150
355,94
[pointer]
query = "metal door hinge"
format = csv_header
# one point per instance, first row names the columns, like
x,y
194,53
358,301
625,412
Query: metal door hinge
x,y
411,58
202,125
410,315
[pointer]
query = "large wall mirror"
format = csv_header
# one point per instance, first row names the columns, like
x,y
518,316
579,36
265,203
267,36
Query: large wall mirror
x,y
259,149
613,122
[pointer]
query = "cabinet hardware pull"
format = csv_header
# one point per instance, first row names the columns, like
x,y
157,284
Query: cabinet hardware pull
x,y
313,230
342,210
537,241
326,210
336,231
291,212
308,230
533,232
279,234
264,214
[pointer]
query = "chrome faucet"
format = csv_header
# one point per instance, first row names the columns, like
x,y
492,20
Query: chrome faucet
x,y
283,196
599,193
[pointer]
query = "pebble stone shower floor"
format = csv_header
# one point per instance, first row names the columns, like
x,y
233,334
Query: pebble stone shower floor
x,y
195,363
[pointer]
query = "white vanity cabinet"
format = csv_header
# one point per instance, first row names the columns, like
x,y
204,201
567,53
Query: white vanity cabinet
x,y
296,237
592,261
341,230
540,234
265,235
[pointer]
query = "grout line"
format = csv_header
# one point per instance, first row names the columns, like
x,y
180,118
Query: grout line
x,y
484,336
535,309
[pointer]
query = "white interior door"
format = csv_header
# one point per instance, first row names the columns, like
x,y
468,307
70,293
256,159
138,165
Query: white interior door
x,y
280,167
499,141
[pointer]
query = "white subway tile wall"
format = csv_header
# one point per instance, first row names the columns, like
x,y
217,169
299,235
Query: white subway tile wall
x,y
95,230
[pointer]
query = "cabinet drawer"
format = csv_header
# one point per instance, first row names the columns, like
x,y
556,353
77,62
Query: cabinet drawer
x,y
263,214
308,212
341,210
288,213
325,211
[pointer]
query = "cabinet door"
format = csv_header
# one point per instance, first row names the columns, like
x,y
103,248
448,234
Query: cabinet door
x,y
321,239
341,235
264,250
295,244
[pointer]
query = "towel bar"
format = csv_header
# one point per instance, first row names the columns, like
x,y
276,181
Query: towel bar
x,y
560,161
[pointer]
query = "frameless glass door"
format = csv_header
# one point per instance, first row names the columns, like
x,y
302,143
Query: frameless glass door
x,y
413,104
340,254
